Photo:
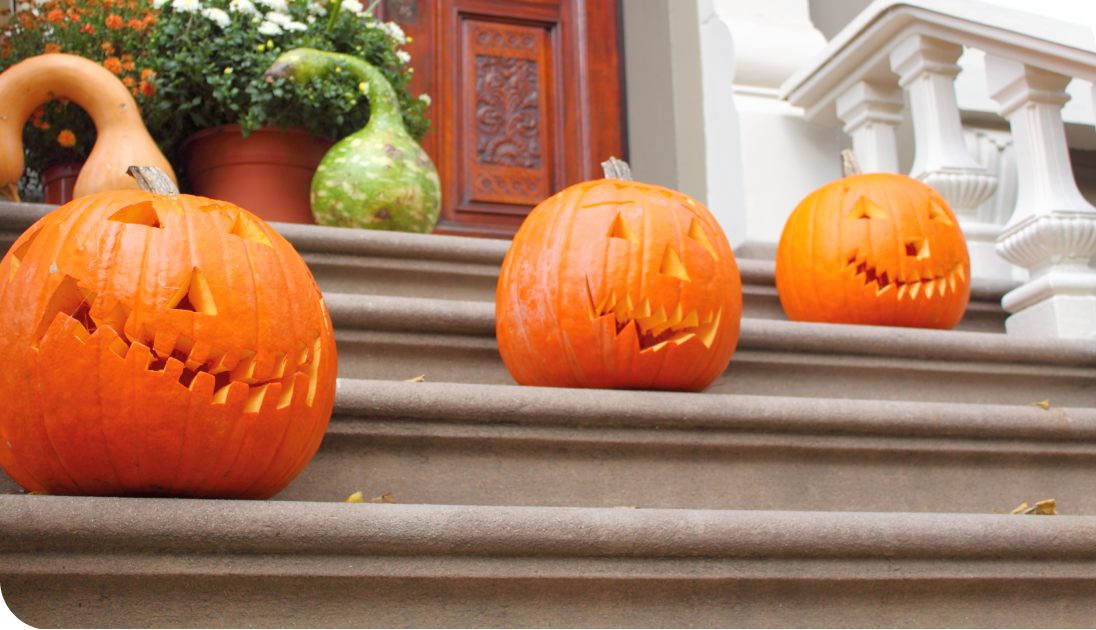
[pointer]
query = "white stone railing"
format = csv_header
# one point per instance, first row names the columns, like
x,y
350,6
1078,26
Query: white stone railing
x,y
913,46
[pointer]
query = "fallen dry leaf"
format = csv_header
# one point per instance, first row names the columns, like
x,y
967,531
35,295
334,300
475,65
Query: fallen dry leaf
x,y
1045,404
357,498
1048,507
418,379
384,498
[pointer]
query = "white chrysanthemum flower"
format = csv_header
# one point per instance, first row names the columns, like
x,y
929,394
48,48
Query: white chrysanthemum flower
x,y
310,19
270,28
186,6
351,5
276,5
24,6
425,98
396,32
315,8
403,56
280,19
296,26
243,6
217,16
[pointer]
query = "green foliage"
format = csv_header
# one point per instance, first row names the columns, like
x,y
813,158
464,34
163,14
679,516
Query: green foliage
x,y
195,64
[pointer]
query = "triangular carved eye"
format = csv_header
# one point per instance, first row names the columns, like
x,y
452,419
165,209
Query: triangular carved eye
x,y
866,209
936,213
671,264
248,230
918,247
194,295
138,214
20,253
620,229
697,233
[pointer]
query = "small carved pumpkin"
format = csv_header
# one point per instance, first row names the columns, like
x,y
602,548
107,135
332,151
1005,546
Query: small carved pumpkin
x,y
877,249
160,345
618,284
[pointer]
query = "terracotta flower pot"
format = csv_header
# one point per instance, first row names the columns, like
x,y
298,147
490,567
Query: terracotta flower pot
x,y
269,172
58,181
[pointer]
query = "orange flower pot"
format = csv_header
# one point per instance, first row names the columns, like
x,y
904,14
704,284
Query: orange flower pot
x,y
268,173
58,182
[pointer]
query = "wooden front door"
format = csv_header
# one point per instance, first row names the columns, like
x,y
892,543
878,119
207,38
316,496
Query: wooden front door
x,y
526,100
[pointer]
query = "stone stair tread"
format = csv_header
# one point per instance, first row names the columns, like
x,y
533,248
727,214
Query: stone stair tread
x,y
478,319
133,562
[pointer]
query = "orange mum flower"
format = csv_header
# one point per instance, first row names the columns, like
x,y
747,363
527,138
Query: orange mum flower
x,y
147,88
56,16
129,81
87,28
133,91
146,73
129,66
149,19
112,64
53,48
136,25
43,126
66,138
107,47
114,21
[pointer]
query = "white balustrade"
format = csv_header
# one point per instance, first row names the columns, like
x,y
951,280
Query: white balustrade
x,y
1029,61
871,112
1053,231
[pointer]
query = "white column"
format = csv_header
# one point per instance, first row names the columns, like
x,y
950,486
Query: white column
x,y
927,69
870,112
1053,231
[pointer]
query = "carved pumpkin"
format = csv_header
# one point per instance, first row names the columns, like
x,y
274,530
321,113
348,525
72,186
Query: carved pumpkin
x,y
160,345
618,284
122,138
877,249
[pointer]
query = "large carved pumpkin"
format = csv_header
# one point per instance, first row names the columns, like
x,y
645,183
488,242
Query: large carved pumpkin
x,y
618,284
878,249
160,345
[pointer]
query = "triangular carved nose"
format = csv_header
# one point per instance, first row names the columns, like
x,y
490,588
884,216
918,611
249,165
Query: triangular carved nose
x,y
671,264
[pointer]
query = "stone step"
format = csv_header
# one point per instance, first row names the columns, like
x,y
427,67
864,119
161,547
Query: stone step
x,y
445,443
390,338
368,262
493,445
79,562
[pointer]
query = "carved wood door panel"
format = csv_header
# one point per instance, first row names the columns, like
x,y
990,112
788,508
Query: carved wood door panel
x,y
526,97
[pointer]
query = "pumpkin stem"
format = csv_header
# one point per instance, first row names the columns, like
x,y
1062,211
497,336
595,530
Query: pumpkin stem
x,y
152,179
617,169
850,163
11,191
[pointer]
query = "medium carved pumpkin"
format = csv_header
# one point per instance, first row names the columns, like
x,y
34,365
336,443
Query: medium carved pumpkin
x,y
879,249
618,284
160,345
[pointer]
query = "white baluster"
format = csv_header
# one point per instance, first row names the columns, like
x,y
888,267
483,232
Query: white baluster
x,y
927,69
1053,231
870,112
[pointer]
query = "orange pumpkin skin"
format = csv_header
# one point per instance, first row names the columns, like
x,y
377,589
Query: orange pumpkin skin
x,y
878,249
622,285
209,370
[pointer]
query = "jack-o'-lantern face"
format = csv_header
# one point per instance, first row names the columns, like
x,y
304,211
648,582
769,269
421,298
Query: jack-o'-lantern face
x,y
617,284
160,346
877,249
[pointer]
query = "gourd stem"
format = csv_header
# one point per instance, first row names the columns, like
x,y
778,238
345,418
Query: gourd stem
x,y
850,164
617,169
11,191
152,179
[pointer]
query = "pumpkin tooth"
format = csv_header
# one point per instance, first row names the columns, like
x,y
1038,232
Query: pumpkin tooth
x,y
682,337
902,290
708,319
707,334
669,323
929,286
962,272
622,308
647,323
914,288
883,289
643,310
691,321
607,304
951,280
591,310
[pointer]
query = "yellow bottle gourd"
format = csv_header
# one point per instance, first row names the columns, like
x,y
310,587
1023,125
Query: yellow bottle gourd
x,y
123,139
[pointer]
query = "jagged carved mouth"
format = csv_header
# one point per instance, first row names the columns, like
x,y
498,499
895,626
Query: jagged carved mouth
x,y
185,360
912,285
654,326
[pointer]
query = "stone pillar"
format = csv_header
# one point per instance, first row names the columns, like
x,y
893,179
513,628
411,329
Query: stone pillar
x,y
1053,231
870,112
927,69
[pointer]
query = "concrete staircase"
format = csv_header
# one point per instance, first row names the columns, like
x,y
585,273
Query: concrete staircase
x,y
836,475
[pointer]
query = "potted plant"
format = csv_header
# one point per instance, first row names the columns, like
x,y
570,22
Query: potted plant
x,y
196,67
59,135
